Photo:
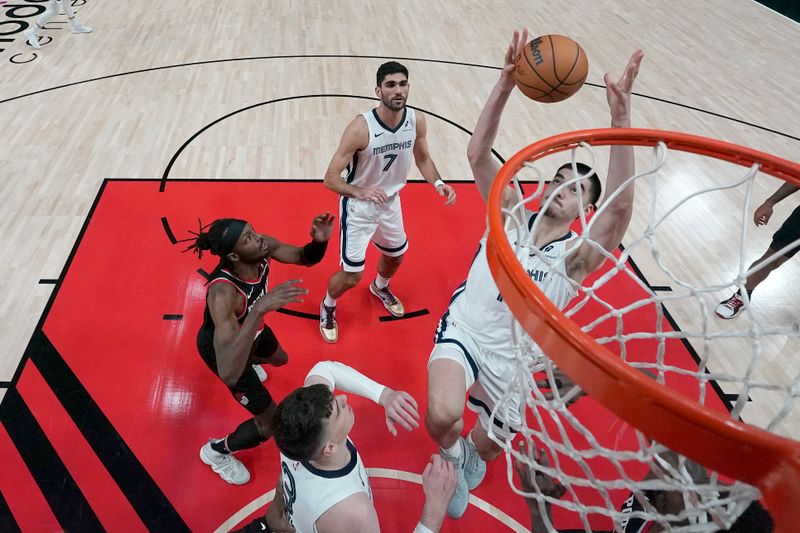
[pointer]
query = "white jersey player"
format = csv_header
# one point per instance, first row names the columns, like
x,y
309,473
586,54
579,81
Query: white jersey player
x,y
323,487
32,33
472,351
368,170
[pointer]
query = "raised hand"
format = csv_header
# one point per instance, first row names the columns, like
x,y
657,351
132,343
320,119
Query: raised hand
x,y
447,190
530,481
763,214
514,50
618,93
401,408
373,194
279,296
321,227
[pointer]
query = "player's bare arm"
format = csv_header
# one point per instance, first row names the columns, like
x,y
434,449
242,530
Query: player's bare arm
x,y
611,224
232,343
425,164
310,254
764,211
275,516
479,152
354,138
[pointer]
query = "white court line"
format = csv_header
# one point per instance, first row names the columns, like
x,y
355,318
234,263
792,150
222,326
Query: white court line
x,y
386,473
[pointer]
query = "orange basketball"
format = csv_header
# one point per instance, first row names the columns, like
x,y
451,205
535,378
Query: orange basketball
x,y
551,68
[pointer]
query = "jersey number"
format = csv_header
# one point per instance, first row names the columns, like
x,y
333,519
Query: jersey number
x,y
391,158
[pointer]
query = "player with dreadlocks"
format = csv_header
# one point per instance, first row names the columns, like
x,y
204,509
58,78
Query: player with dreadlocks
x,y
233,336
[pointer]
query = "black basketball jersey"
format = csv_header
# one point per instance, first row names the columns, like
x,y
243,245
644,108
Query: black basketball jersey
x,y
251,291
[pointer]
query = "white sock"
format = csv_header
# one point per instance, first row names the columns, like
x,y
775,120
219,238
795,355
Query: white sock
x,y
381,282
455,451
328,301
469,439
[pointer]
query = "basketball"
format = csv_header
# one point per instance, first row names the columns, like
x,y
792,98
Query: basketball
x,y
551,68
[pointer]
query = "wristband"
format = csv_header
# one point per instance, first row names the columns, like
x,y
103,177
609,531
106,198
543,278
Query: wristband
x,y
438,183
314,251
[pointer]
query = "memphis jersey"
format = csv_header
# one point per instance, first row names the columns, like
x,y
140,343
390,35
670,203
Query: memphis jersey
x,y
308,491
386,160
478,307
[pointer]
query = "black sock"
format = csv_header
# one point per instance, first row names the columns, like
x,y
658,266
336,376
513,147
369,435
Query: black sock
x,y
219,446
246,436
743,290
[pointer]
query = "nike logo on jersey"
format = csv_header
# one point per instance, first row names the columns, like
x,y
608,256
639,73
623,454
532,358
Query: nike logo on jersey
x,y
379,134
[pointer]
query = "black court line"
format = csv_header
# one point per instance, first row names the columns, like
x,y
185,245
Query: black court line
x,y
660,288
203,273
4,385
62,276
196,134
686,344
301,314
734,397
144,495
173,317
410,314
59,488
46,281
168,231
383,58
7,521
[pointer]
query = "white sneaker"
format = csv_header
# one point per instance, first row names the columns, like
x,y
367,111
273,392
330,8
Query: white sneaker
x,y
261,373
731,307
460,500
229,468
474,466
77,27
33,38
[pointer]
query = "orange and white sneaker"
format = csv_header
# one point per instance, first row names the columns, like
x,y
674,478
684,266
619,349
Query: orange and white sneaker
x,y
389,300
731,307
328,327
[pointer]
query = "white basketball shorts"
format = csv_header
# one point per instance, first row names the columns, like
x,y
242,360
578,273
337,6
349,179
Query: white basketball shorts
x,y
361,221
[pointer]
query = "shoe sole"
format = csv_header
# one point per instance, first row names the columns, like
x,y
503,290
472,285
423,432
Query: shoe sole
x,y
384,303
728,317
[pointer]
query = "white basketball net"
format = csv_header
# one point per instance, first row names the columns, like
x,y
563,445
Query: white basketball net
x,y
598,458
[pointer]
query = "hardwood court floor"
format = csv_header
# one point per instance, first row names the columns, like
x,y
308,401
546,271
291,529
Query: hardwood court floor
x,y
125,100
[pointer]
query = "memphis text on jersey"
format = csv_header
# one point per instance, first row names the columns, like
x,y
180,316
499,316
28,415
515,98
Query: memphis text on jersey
x,y
392,147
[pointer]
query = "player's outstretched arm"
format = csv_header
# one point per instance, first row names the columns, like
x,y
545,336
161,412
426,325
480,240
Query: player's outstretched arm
x,y
310,254
610,226
400,407
354,138
232,343
764,211
439,483
427,168
530,481
479,152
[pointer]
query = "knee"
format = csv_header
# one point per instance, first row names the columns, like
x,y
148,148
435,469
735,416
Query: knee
x,y
393,261
264,423
351,279
442,416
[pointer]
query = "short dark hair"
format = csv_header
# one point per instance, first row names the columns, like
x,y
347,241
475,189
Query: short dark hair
x,y
392,67
298,421
595,187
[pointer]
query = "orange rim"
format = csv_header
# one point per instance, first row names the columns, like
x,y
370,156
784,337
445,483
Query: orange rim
x,y
732,448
